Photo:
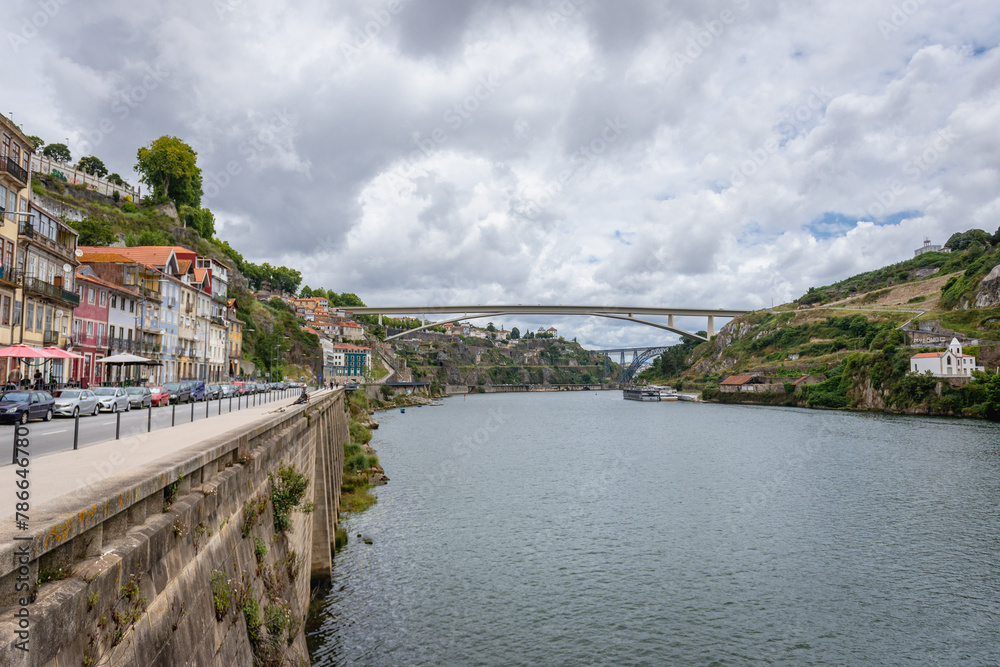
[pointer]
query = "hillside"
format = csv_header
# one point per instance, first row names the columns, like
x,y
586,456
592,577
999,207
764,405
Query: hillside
x,y
475,362
859,333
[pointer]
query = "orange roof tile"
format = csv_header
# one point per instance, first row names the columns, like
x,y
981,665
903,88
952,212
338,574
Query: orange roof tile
x,y
928,355
737,379
151,255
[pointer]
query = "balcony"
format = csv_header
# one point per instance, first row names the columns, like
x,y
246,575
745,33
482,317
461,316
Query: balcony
x,y
220,321
56,292
220,298
50,338
14,170
120,344
26,231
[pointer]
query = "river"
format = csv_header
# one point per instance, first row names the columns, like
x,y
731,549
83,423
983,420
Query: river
x,y
581,529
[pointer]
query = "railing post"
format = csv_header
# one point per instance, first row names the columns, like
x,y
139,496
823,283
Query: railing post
x,y
76,431
118,425
230,403
13,450
173,413
149,418
208,404
192,410
220,405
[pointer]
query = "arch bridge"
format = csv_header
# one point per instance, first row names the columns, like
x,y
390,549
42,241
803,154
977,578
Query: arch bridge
x,y
637,314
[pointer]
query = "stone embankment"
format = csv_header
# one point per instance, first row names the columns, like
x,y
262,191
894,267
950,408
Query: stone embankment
x,y
203,557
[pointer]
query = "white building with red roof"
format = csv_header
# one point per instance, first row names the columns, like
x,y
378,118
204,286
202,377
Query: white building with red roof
x,y
951,362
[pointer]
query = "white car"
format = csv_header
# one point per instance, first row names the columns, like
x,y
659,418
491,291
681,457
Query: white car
x,y
113,399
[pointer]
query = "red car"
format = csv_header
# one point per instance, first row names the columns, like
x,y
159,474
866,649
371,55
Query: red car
x,y
160,396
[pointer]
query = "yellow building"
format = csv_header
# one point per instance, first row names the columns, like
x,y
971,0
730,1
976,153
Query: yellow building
x,y
235,352
15,179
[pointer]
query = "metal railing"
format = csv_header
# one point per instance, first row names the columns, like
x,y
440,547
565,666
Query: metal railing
x,y
39,286
183,415
14,169
27,229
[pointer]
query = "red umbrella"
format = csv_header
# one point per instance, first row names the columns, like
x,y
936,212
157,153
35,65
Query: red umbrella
x,y
26,352
57,353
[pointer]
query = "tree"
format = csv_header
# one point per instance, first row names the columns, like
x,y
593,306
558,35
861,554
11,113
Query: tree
x,y
202,220
57,152
116,179
94,232
169,166
306,292
93,166
37,141
490,327
962,240
515,333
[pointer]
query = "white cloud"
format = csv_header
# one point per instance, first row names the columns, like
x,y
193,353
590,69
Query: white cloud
x,y
448,154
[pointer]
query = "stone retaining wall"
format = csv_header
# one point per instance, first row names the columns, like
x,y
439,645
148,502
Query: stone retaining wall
x,y
144,547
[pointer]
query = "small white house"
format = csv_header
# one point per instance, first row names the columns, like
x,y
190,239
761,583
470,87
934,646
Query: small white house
x,y
950,362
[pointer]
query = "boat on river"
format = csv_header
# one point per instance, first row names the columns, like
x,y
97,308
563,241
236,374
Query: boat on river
x,y
640,394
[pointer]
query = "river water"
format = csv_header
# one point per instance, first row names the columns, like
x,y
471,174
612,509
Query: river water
x,y
582,529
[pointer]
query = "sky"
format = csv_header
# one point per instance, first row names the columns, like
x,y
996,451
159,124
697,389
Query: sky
x,y
695,153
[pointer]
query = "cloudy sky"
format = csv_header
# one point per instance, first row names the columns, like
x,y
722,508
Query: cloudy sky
x,y
696,153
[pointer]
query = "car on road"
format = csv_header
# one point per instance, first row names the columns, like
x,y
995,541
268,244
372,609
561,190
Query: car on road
x,y
213,392
113,399
73,402
21,405
198,390
229,390
139,397
159,396
180,392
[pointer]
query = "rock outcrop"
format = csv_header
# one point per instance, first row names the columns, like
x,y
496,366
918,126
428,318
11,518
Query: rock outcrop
x,y
988,294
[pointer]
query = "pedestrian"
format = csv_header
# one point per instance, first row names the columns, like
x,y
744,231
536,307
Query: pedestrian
x,y
38,379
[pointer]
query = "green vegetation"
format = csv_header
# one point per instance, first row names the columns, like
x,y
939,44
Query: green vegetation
x,y
169,166
57,152
93,166
222,594
259,549
251,615
288,488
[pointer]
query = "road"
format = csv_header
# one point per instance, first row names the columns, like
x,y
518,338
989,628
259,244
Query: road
x,y
57,435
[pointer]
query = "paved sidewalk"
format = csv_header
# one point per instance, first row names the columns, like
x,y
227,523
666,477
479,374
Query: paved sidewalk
x,y
54,475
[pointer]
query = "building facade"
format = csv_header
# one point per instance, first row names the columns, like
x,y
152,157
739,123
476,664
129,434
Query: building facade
x,y
951,362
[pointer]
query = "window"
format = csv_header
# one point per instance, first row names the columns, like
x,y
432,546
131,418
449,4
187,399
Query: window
x,y
77,326
90,329
90,295
17,314
111,331
114,300
39,315
5,311
131,306
104,298
100,331
29,321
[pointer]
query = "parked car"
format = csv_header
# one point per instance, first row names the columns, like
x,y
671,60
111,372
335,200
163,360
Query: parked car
x,y
112,399
160,396
229,390
197,390
73,402
213,392
21,405
180,392
139,397
241,388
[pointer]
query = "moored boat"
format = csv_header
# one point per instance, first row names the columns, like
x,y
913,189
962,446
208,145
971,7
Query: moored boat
x,y
640,394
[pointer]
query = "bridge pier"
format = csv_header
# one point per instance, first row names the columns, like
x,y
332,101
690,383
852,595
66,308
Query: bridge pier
x,y
711,326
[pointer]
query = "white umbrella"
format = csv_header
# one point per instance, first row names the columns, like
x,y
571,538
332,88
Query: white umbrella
x,y
123,358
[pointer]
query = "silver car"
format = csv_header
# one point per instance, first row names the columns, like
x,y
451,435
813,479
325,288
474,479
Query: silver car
x,y
73,402
113,399
139,397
